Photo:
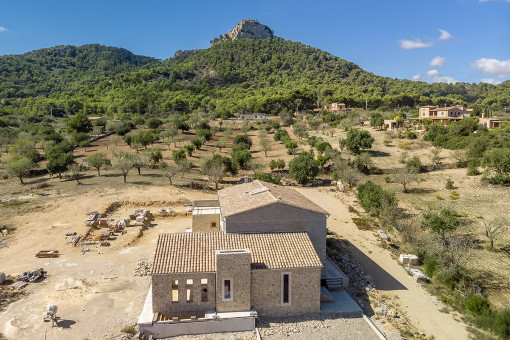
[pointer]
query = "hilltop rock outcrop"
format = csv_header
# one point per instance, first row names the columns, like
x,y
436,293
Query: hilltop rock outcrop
x,y
246,29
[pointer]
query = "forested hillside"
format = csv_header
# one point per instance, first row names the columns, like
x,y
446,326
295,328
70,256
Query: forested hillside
x,y
266,75
61,68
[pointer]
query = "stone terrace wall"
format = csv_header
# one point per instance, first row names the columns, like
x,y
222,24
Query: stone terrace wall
x,y
162,293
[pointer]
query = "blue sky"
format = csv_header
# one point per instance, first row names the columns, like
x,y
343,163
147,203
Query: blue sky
x,y
430,40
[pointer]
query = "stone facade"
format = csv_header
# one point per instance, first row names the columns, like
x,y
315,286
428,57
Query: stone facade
x,y
267,290
235,266
278,218
205,219
164,302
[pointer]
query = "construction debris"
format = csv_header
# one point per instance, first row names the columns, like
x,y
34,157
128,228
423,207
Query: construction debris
x,y
105,236
19,285
408,259
85,250
71,233
165,212
142,269
74,240
92,220
32,276
47,253
104,244
417,274
2,278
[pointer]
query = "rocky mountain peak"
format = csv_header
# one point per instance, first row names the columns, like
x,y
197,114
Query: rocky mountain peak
x,y
246,29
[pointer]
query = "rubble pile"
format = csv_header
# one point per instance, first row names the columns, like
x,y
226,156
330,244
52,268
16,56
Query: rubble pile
x,y
32,276
143,268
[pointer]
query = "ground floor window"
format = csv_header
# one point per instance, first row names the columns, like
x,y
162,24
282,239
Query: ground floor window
x,y
286,289
227,289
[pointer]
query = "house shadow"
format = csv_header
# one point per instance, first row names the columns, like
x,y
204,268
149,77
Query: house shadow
x,y
382,279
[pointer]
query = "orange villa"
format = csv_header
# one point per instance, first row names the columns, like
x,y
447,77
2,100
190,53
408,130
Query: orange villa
x,y
443,114
335,108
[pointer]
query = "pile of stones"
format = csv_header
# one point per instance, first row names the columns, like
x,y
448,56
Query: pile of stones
x,y
354,271
143,268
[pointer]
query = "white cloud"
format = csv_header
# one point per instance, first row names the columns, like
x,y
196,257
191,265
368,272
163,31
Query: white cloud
x,y
491,0
501,68
437,77
412,44
491,81
3,29
437,62
417,76
445,35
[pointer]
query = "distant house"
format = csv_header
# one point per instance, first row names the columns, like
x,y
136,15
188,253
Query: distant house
x,y
335,108
392,124
490,123
443,114
254,116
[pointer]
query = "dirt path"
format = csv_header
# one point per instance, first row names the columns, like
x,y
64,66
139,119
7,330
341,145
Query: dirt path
x,y
389,277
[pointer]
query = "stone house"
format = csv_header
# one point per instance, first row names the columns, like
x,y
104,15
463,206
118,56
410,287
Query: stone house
x,y
260,206
206,282
490,123
335,108
260,249
443,114
254,116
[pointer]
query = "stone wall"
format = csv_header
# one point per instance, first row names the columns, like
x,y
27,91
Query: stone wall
x,y
236,266
162,293
281,217
203,222
304,292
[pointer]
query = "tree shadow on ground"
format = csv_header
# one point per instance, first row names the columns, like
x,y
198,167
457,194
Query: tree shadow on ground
x,y
152,175
141,182
377,153
420,190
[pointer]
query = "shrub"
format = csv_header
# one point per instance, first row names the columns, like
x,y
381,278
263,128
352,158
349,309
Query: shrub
x,y
303,168
411,135
267,177
472,169
357,140
430,265
415,165
454,195
277,164
449,184
280,135
477,305
442,221
153,123
502,324
373,198
243,139
178,155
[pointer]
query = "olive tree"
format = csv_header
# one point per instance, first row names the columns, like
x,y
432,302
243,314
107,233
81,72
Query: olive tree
x,y
19,168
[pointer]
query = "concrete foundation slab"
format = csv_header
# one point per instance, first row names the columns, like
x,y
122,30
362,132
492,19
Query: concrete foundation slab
x,y
343,305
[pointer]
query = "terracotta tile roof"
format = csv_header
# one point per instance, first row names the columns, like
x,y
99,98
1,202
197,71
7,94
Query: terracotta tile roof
x,y
195,252
256,194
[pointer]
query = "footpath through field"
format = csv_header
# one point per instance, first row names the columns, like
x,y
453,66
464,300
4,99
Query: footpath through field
x,y
389,277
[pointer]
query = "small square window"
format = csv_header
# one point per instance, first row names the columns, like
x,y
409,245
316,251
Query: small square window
x,y
213,224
